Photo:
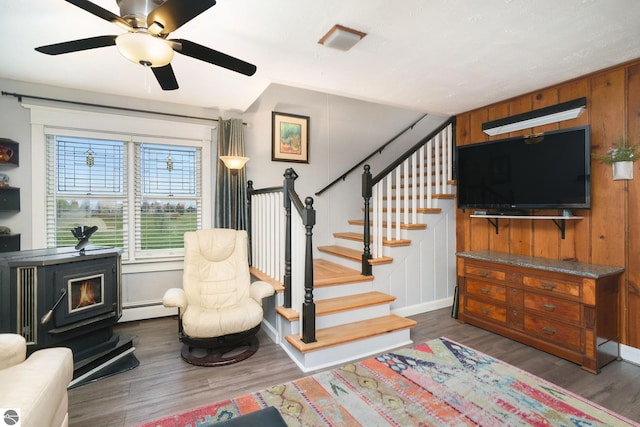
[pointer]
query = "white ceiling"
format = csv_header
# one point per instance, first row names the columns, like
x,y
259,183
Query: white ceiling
x,y
436,56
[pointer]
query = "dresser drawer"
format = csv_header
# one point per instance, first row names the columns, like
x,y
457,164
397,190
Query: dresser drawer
x,y
484,309
555,307
484,272
480,288
553,286
566,335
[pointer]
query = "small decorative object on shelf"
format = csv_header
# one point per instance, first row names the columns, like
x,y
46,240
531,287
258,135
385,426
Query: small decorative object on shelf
x,y
621,157
83,234
4,180
8,152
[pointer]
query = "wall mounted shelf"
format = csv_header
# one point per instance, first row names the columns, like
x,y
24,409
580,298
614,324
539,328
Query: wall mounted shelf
x,y
558,220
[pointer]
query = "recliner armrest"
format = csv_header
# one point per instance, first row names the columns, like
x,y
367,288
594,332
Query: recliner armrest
x,y
13,350
175,297
260,290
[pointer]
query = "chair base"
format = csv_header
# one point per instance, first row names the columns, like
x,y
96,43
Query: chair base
x,y
220,351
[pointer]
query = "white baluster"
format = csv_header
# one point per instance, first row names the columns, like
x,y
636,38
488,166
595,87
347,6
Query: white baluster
x,y
429,176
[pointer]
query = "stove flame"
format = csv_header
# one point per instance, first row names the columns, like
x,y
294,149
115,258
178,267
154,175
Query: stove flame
x,y
87,295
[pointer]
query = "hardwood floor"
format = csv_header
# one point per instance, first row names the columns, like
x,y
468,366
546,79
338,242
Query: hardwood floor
x,y
164,384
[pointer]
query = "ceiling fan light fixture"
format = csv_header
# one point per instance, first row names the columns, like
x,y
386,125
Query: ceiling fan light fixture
x,y
145,49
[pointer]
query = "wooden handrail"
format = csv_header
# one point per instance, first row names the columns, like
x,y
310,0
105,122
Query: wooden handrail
x,y
379,150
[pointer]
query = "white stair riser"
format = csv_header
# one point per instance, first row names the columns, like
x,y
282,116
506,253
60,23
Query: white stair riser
x,y
351,316
325,292
340,318
341,354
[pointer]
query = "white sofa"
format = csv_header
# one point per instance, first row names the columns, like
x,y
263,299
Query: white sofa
x,y
37,385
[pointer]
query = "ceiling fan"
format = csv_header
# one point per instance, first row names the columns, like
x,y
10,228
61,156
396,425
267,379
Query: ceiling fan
x,y
148,24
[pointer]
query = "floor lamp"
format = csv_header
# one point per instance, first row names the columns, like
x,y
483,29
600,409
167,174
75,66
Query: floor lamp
x,y
234,164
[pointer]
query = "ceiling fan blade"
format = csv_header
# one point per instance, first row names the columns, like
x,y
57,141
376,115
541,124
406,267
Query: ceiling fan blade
x,y
214,57
165,77
78,45
172,14
100,12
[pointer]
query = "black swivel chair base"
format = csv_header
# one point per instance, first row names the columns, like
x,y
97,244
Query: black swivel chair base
x,y
220,351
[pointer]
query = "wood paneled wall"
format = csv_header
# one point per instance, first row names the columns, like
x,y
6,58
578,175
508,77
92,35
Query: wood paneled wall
x,y
609,234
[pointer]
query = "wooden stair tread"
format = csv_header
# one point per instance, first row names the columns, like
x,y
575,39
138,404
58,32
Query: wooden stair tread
x,y
327,273
339,304
352,254
277,286
403,226
359,237
336,335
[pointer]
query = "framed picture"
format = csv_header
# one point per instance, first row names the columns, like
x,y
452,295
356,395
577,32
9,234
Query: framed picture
x,y
290,138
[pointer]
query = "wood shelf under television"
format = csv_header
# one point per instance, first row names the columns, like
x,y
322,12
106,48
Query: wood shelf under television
x,y
558,220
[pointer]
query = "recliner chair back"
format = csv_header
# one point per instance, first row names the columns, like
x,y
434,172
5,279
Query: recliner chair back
x,y
216,270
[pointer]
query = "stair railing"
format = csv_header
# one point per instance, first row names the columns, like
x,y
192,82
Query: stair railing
x,y
406,187
280,240
265,227
378,150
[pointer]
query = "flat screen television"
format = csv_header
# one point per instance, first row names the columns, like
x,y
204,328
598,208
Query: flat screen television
x,y
551,171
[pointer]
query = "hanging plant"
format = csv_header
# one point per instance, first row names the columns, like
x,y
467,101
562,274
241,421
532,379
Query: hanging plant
x,y
620,152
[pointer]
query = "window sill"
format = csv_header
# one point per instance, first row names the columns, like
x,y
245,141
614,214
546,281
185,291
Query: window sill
x,y
147,266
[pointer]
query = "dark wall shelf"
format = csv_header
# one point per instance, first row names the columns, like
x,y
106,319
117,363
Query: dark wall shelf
x,y
9,242
9,199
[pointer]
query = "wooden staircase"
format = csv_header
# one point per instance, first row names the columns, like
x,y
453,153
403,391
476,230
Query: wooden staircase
x,y
352,320
353,317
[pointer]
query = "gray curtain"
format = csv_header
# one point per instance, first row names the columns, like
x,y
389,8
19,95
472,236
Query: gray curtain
x,y
230,143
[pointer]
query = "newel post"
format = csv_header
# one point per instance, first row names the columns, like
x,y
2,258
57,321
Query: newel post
x,y
367,186
308,306
290,177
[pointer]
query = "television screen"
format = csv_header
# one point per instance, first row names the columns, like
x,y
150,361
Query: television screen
x,y
547,171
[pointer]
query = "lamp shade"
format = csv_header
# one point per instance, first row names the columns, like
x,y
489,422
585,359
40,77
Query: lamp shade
x,y
234,162
145,49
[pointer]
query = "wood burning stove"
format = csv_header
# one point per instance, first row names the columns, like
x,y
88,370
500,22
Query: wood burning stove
x,y
63,297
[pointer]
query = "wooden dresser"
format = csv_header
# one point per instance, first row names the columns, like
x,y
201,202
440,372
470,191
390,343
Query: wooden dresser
x,y
565,308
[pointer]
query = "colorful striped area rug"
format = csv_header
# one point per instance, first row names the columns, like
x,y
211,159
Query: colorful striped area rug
x,y
437,383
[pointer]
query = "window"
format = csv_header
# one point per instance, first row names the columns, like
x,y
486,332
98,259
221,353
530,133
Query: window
x,y
167,196
145,210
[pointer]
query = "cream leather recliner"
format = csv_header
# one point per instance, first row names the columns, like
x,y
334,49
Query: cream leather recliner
x,y
37,385
219,309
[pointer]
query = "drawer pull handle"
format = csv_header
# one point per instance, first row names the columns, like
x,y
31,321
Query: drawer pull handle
x,y
515,313
548,330
549,286
549,307
485,310
484,290
484,273
514,292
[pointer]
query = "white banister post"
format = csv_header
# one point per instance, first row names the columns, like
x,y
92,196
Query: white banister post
x,y
398,211
422,177
429,176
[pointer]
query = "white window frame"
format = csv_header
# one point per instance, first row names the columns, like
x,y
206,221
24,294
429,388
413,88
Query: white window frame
x,y
158,129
